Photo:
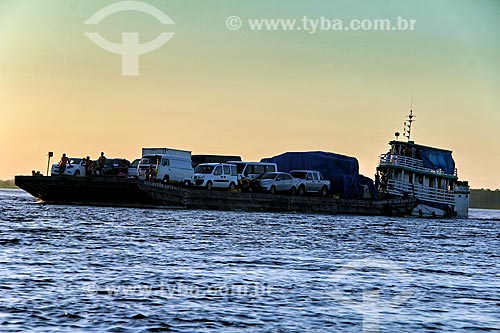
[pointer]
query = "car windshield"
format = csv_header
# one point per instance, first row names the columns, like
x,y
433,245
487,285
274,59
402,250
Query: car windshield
x,y
149,160
135,163
299,174
268,176
75,161
207,169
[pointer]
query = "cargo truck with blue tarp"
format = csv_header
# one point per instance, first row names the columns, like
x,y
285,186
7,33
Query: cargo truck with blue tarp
x,y
341,170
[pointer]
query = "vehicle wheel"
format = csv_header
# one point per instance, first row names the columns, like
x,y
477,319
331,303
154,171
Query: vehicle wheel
x,y
272,190
324,192
231,186
166,178
293,190
209,186
77,173
302,190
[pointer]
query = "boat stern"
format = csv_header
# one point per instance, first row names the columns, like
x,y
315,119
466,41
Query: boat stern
x,y
462,196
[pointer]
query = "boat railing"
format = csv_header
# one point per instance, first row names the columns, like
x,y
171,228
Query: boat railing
x,y
432,194
408,162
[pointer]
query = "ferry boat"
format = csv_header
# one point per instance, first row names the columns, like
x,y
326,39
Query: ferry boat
x,y
425,173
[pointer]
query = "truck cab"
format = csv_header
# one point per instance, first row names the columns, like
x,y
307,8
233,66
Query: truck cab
x,y
311,181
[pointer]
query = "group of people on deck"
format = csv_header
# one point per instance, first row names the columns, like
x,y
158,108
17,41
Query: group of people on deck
x,y
92,168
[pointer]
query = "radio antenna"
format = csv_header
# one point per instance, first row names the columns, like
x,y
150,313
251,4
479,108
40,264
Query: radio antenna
x,y
410,119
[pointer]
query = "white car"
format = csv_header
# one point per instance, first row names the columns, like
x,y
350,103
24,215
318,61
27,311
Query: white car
x,y
274,182
75,167
216,175
133,171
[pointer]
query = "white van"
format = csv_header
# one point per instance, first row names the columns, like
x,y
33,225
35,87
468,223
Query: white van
x,y
216,175
251,170
168,168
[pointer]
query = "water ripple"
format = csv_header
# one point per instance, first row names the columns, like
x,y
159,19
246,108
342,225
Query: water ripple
x,y
98,269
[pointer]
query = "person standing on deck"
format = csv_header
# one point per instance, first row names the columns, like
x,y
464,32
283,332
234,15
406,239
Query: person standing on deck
x,y
88,166
101,161
63,163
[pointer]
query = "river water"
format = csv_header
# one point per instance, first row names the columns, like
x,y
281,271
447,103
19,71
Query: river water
x,y
98,269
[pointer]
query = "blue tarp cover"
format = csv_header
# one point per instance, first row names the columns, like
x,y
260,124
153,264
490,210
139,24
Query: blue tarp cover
x,y
341,170
363,180
437,159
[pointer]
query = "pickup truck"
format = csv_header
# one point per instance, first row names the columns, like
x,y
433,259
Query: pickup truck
x,y
311,181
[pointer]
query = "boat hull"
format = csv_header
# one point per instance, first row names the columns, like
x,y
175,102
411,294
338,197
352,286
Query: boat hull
x,y
114,191
426,210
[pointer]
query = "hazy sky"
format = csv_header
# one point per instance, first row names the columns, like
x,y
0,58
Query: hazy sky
x,y
251,93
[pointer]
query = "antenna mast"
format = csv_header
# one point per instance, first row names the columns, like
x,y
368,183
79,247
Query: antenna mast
x,y
409,121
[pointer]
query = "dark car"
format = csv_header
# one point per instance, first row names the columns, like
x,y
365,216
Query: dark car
x,y
116,167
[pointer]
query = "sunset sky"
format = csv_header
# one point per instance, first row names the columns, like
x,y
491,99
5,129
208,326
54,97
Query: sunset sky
x,y
251,93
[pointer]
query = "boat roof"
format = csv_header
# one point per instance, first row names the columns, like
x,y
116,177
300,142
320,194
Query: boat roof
x,y
413,144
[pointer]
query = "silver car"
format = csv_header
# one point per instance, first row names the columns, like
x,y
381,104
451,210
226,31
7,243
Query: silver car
x,y
132,169
274,182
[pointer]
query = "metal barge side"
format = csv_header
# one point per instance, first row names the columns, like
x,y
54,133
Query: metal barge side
x,y
114,191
